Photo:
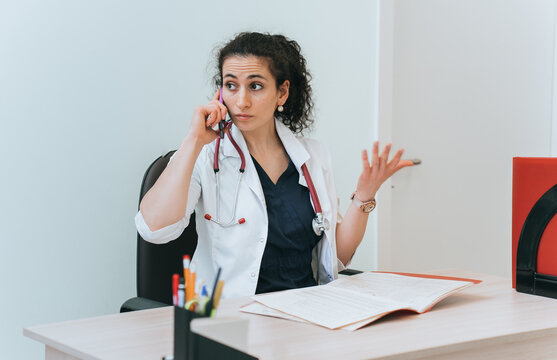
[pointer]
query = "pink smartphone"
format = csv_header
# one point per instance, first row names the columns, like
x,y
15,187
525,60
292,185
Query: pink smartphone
x,y
222,123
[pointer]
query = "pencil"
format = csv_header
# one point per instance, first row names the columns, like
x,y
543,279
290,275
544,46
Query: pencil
x,y
191,282
218,293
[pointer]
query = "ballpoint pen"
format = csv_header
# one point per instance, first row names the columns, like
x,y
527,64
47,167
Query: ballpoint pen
x,y
209,306
175,283
181,293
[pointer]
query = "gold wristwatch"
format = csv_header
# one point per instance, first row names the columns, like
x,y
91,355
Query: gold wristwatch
x,y
366,206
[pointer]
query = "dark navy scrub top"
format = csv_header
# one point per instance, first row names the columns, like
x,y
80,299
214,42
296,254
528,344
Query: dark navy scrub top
x,y
286,262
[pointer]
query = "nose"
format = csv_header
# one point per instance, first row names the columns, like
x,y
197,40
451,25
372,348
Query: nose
x,y
243,99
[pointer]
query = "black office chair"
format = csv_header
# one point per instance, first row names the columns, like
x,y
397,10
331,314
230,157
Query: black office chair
x,y
157,263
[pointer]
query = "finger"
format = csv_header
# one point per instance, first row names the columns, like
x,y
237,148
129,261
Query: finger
x,y
384,157
217,95
375,158
394,161
386,151
403,164
216,106
365,160
375,149
208,120
220,114
223,111
212,118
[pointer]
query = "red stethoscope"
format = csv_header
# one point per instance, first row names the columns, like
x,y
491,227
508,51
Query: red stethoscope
x,y
319,224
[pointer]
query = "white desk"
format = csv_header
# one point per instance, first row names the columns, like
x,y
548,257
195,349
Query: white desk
x,y
488,321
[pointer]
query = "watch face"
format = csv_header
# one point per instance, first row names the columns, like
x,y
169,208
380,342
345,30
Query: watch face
x,y
368,207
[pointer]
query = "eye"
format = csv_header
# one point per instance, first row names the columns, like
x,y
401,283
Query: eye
x,y
230,86
256,86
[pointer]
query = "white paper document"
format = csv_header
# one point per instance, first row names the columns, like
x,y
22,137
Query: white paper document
x,y
354,301
260,309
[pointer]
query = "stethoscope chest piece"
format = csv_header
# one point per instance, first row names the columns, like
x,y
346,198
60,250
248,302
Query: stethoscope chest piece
x,y
320,224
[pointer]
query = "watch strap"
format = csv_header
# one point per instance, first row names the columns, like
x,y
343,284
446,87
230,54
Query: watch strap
x,y
366,206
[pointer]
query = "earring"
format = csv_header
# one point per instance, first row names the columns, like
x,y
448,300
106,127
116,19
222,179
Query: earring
x,y
280,108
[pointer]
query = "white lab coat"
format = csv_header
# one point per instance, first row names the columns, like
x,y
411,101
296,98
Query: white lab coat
x,y
238,249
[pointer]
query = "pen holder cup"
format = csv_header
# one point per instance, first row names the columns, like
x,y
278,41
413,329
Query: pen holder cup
x,y
189,345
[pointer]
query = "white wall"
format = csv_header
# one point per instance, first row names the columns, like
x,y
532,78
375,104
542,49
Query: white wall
x,y
554,104
92,92
472,88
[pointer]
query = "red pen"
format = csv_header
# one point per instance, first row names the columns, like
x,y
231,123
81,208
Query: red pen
x,y
175,282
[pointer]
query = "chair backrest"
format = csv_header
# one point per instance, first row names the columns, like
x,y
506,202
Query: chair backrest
x,y
157,263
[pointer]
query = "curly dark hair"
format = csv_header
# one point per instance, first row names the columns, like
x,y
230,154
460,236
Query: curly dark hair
x,y
285,63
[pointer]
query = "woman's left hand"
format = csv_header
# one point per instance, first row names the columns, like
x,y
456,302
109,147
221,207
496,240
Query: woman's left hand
x,y
380,169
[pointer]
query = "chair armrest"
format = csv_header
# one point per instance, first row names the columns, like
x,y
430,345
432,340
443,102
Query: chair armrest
x,y
139,303
350,272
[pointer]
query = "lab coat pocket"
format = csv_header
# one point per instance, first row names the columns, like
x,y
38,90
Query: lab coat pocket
x,y
240,247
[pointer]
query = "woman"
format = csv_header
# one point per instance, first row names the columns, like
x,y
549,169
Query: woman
x,y
270,243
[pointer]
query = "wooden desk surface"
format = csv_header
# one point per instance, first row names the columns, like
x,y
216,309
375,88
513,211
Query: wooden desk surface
x,y
489,320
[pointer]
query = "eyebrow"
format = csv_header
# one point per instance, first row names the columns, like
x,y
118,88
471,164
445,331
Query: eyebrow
x,y
253,76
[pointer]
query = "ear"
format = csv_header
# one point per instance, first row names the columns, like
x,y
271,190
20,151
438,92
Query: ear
x,y
284,91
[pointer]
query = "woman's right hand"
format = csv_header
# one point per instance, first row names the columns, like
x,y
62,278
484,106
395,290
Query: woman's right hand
x,y
205,117
166,202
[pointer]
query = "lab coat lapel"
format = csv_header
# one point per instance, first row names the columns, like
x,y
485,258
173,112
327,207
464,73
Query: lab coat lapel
x,y
299,151
300,155
295,149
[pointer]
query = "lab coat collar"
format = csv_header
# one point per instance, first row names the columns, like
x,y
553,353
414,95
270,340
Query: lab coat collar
x,y
295,149
297,153
226,145
293,146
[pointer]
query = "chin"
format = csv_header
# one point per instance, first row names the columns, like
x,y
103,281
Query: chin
x,y
245,125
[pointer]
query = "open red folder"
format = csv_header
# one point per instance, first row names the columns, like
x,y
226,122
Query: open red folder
x,y
534,180
427,276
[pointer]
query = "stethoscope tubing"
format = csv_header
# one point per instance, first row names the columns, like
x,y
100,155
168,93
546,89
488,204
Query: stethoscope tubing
x,y
236,146
312,192
319,224
231,221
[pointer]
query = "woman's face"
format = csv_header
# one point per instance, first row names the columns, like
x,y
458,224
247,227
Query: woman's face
x,y
250,92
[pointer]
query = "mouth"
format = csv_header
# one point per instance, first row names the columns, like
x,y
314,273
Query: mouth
x,y
243,117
